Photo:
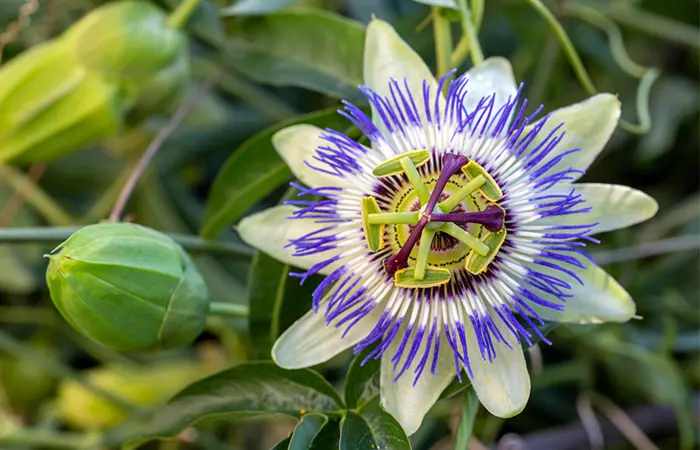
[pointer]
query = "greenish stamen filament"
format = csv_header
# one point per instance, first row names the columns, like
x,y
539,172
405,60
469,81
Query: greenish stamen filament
x,y
455,199
466,238
426,239
404,218
414,177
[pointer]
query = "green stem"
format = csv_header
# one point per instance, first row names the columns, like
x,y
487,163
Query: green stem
x,y
194,244
179,17
228,310
643,92
617,45
35,197
443,41
470,32
20,350
571,53
33,438
648,22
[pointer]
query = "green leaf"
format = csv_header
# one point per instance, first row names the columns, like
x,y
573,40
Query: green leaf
x,y
266,287
362,383
466,423
306,430
328,438
313,49
657,378
283,444
371,429
254,7
252,172
255,389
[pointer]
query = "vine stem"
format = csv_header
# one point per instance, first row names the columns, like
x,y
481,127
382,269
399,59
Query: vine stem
x,y
179,17
155,145
193,244
443,42
470,33
48,439
35,196
228,310
566,43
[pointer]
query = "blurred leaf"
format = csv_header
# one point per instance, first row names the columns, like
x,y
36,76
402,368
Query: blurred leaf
x,y
266,288
466,423
362,383
254,7
250,390
252,172
306,430
655,377
371,429
316,50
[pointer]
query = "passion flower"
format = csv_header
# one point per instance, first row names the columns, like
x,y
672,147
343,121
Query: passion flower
x,y
453,236
128,287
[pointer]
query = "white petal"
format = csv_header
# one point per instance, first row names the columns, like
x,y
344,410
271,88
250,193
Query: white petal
x,y
270,231
600,299
388,56
588,126
494,75
309,341
408,403
298,143
613,206
503,386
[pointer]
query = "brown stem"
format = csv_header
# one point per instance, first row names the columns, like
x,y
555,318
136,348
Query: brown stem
x,y
155,145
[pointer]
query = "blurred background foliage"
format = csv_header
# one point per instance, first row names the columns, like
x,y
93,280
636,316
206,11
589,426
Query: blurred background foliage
x,y
279,62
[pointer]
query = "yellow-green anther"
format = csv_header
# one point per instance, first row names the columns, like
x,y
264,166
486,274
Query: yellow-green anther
x,y
453,200
408,218
392,166
466,238
416,180
490,188
374,233
434,276
426,239
476,263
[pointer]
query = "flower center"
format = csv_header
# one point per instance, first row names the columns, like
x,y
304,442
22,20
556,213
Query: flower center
x,y
439,223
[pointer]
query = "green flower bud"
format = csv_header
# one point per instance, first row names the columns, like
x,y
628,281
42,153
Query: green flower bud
x,y
128,287
126,40
50,106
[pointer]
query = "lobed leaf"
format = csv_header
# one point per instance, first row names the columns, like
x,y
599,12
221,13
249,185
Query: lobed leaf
x,y
256,389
